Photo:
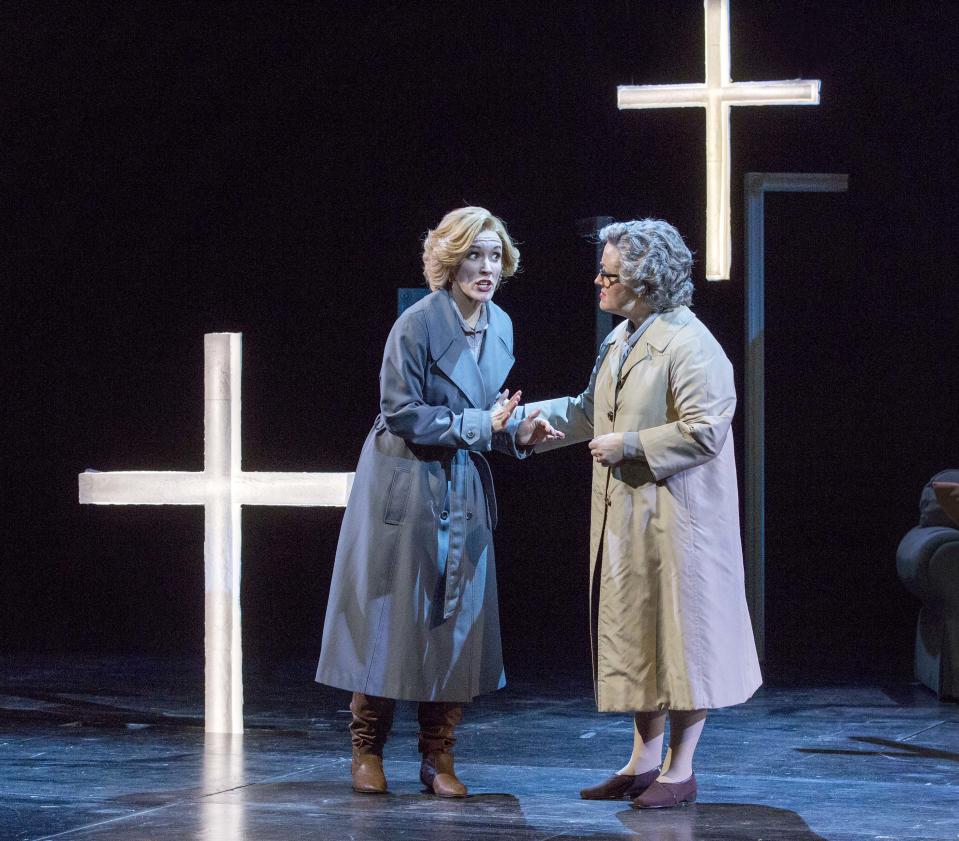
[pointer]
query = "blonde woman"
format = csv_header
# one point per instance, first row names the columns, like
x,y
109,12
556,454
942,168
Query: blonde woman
x,y
412,611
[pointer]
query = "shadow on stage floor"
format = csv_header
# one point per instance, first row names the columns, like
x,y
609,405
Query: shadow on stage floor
x,y
114,748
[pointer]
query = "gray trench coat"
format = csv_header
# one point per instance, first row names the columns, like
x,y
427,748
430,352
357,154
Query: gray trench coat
x,y
670,626
412,611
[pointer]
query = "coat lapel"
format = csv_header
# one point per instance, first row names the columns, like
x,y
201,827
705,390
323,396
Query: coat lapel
x,y
614,342
496,358
448,346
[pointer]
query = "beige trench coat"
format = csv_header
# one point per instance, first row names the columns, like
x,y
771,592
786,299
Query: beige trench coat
x,y
666,567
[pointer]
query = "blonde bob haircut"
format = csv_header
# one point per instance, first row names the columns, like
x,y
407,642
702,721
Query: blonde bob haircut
x,y
447,244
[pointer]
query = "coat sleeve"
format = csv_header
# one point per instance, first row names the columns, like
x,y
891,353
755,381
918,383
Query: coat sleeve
x,y
402,383
571,415
704,396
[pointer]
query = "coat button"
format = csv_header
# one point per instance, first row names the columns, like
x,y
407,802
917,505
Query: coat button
x,y
610,415
445,515
470,435
469,515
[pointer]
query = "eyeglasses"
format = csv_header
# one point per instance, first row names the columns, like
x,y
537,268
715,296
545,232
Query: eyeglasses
x,y
607,278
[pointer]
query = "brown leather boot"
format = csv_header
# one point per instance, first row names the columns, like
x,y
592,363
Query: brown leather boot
x,y
438,775
369,730
367,772
438,722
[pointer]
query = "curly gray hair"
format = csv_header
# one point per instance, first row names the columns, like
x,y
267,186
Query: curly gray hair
x,y
655,261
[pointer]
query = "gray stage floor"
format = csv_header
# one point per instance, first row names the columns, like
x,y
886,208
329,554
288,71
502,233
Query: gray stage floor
x,y
115,749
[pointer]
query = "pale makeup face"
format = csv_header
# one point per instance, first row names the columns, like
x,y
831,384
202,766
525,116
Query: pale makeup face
x,y
477,277
618,298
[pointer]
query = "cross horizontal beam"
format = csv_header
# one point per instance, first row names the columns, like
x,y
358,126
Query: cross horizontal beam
x,y
149,487
698,95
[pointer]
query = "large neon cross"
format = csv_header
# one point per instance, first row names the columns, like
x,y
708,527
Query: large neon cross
x,y
716,96
221,488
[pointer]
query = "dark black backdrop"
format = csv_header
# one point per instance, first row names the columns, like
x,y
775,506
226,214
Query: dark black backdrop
x,y
270,168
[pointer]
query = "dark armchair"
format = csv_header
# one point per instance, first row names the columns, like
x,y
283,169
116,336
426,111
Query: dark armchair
x,y
928,564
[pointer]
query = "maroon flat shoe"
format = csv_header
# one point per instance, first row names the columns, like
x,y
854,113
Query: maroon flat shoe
x,y
621,786
662,795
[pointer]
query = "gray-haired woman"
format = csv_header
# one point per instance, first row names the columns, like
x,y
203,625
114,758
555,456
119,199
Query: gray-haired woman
x,y
669,624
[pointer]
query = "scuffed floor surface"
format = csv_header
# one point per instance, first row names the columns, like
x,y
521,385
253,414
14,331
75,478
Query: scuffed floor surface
x,y
114,748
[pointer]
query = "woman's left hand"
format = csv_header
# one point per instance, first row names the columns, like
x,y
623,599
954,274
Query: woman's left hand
x,y
607,449
534,430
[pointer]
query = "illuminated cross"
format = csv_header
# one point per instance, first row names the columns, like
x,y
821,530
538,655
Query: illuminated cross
x,y
221,488
716,96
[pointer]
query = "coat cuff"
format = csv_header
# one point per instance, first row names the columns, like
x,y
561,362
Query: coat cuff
x,y
477,430
504,441
633,446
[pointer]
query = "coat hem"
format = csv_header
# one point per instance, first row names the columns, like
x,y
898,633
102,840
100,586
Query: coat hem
x,y
351,684
704,704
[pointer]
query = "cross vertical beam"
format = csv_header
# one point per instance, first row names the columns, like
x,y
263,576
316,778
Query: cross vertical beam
x,y
223,642
756,185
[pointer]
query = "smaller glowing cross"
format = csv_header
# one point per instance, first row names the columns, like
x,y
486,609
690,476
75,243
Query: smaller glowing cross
x,y
221,488
716,96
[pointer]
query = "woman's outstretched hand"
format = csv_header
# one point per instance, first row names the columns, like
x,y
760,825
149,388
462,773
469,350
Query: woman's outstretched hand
x,y
503,408
533,430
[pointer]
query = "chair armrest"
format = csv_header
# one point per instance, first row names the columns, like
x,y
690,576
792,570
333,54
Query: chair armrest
x,y
927,561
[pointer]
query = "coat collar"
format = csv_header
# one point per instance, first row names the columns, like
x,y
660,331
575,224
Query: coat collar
x,y
657,336
664,328
451,351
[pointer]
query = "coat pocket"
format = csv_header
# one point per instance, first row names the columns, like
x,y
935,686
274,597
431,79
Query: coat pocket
x,y
398,496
